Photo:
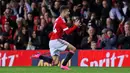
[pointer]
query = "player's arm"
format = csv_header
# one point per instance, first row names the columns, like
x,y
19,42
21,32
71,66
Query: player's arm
x,y
68,30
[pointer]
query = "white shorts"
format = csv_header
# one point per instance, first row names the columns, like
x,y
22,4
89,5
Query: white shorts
x,y
56,46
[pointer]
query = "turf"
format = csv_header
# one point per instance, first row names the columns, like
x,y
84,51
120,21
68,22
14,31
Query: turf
x,y
58,70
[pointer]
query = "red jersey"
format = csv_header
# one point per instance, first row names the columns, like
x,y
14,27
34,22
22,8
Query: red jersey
x,y
59,28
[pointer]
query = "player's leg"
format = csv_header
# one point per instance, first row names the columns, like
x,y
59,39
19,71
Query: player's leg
x,y
44,58
65,45
71,52
55,60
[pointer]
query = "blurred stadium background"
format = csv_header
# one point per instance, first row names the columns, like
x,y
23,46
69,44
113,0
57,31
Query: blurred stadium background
x,y
25,25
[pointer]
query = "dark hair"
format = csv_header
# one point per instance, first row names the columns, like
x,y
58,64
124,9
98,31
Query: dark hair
x,y
63,7
30,13
109,29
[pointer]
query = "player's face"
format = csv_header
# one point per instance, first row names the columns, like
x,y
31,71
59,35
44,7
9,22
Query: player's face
x,y
67,12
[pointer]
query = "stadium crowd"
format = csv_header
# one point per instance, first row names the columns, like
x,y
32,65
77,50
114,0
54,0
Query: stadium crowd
x,y
26,24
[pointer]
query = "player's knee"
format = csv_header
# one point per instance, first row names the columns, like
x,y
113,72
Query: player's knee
x,y
73,50
56,63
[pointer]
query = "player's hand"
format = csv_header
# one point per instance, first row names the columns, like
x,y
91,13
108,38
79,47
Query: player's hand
x,y
77,23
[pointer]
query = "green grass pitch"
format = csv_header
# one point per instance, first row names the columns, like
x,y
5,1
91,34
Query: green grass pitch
x,y
58,70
